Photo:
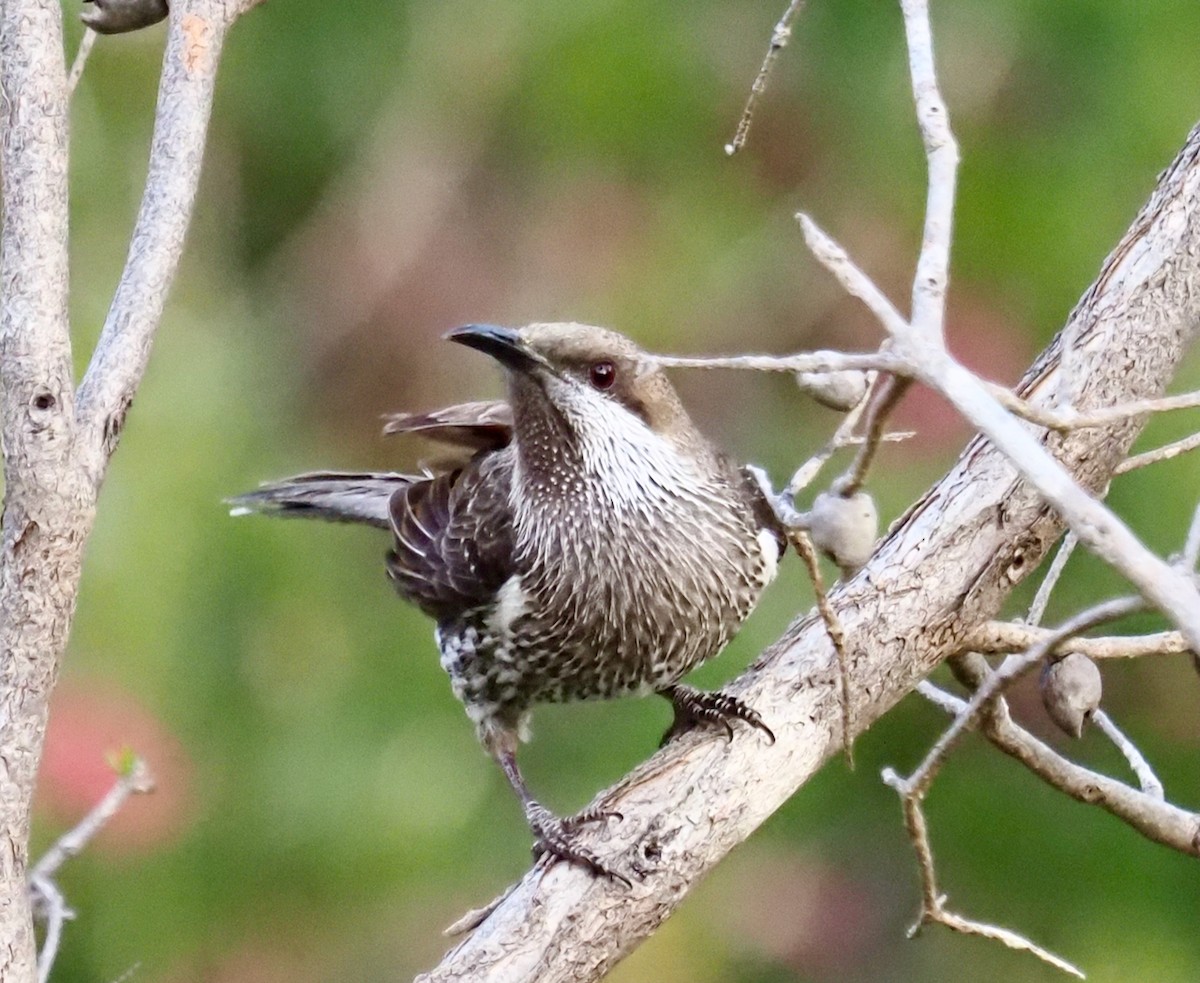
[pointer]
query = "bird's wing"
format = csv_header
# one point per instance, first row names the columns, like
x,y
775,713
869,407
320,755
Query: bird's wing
x,y
483,425
452,532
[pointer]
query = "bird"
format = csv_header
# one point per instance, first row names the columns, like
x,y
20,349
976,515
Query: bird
x,y
592,545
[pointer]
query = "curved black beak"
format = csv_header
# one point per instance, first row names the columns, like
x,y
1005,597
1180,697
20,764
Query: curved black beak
x,y
504,345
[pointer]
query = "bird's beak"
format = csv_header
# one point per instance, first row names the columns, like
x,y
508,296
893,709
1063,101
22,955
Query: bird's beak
x,y
505,345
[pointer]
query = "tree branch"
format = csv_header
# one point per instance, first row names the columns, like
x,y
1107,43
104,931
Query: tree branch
x,y
48,897
1005,637
56,442
1147,813
197,32
39,570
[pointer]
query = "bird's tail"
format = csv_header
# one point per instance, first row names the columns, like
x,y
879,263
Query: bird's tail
x,y
336,496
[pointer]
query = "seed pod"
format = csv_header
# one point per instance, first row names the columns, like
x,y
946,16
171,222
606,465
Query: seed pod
x,y
122,16
845,528
842,390
1071,690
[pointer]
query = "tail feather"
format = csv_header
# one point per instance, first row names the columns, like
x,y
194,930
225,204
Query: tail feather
x,y
335,496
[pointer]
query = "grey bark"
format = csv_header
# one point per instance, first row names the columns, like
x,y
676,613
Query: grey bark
x,y
57,443
946,566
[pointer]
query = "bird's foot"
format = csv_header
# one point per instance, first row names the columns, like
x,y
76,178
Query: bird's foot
x,y
694,707
559,838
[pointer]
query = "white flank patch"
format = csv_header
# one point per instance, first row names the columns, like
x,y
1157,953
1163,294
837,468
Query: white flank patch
x,y
770,554
511,603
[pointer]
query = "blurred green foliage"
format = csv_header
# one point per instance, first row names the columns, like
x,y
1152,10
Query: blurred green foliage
x,y
379,172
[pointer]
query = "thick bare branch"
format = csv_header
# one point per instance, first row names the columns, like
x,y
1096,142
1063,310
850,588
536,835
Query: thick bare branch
x,y
39,569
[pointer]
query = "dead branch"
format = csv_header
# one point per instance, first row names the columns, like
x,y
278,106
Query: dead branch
x,y
48,899
1005,637
933,901
1154,818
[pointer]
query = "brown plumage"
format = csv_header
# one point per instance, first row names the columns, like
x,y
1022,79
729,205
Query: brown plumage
x,y
593,545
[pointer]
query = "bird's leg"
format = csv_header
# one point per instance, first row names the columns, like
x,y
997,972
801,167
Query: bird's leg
x,y
552,835
696,706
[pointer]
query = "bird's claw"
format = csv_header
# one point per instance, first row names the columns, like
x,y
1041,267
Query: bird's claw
x,y
594,814
696,706
558,838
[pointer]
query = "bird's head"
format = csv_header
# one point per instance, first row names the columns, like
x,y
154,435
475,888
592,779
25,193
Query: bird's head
x,y
584,384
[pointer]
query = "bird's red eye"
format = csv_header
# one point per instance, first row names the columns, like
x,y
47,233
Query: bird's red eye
x,y
602,375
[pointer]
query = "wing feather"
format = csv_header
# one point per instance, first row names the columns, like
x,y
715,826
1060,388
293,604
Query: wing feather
x,y
482,425
452,547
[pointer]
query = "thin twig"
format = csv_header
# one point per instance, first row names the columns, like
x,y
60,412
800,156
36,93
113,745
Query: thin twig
x,y
1007,937
807,471
81,56
822,361
842,436
1137,762
51,907
946,702
1065,418
135,780
49,900
879,407
837,636
779,39
1006,637
856,283
1010,669
126,976
941,155
1164,453
1191,545
1041,600
933,902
